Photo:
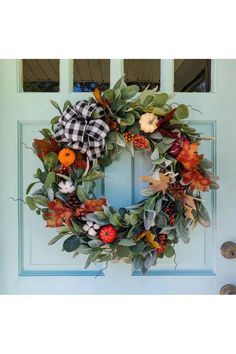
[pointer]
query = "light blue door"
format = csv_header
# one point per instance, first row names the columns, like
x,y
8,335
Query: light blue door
x,y
29,265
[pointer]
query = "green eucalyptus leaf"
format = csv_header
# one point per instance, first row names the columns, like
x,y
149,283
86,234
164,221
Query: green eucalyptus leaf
x,y
155,154
83,249
109,95
206,164
135,128
120,140
30,202
30,187
149,218
160,99
161,219
82,194
129,91
138,262
169,251
182,112
40,200
149,260
203,215
93,175
139,247
71,244
150,204
51,160
67,104
127,242
56,105
148,101
51,178
55,120
95,243
120,83
133,219
182,231
128,120
115,219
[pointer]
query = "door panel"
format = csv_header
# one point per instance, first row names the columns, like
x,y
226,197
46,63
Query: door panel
x,y
29,265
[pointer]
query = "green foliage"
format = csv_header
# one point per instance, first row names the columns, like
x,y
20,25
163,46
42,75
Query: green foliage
x,y
71,243
50,179
182,112
50,160
82,194
160,99
109,95
169,251
56,105
129,92
129,225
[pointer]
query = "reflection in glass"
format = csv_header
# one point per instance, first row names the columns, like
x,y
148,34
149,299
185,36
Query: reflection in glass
x,y
40,75
91,73
142,72
192,75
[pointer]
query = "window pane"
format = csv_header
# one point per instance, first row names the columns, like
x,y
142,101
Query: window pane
x,y
192,75
142,72
40,75
90,73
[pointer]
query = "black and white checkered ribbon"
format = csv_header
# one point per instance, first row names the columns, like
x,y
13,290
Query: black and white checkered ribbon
x,y
80,131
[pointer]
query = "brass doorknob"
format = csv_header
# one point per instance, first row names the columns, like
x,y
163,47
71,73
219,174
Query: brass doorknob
x,y
228,289
228,250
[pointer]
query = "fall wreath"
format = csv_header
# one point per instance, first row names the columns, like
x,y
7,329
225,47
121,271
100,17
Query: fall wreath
x,y
88,136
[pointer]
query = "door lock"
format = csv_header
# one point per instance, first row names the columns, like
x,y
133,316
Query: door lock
x,y
228,250
228,289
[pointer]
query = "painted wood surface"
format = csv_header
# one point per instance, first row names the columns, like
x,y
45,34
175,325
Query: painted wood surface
x,y
29,265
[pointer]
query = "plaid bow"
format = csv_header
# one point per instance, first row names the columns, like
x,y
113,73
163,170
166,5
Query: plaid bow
x,y
79,131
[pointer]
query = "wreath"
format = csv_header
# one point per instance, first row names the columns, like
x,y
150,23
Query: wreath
x,y
90,135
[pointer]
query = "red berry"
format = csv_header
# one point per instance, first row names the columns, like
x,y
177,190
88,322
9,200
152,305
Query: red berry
x,y
108,233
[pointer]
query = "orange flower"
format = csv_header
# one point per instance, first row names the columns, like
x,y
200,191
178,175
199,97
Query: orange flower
x,y
66,157
196,180
58,215
188,155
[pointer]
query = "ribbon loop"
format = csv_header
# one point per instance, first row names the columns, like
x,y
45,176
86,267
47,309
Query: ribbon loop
x,y
77,128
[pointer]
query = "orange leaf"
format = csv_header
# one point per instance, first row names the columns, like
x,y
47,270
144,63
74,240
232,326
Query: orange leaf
x,y
98,97
188,155
196,180
157,185
43,147
92,205
188,212
58,215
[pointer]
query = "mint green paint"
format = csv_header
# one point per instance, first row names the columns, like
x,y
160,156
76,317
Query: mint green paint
x,y
28,265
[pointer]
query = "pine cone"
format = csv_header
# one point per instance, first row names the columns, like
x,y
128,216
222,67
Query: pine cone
x,y
73,202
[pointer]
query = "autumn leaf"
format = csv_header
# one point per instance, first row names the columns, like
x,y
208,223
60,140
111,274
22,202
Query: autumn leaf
x,y
43,147
157,185
58,215
188,212
188,155
196,180
150,238
189,200
99,99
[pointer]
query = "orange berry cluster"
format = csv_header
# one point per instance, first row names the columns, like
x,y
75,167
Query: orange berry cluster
x,y
139,141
